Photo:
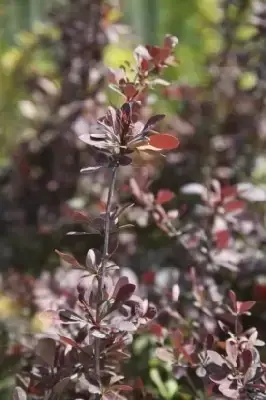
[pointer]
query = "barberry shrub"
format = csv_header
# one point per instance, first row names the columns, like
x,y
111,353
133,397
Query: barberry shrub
x,y
82,352
213,240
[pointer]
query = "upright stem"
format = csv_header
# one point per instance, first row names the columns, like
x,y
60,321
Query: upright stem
x,y
105,255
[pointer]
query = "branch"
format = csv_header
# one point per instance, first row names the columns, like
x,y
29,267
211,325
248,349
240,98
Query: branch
x,y
105,255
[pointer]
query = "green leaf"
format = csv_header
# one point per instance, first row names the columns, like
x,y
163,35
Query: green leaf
x,y
157,380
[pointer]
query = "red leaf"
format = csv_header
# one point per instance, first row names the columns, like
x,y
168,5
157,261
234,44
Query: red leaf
x,y
80,216
228,191
66,340
164,141
245,306
232,296
68,258
129,91
234,206
34,390
222,239
139,383
156,329
124,388
163,196
209,389
259,291
148,277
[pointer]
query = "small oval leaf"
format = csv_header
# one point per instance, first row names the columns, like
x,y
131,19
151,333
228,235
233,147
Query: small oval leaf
x,y
164,141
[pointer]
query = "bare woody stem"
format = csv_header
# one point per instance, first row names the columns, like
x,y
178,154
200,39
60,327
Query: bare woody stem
x,y
105,256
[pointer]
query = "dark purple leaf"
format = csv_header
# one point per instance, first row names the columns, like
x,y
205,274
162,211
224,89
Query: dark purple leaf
x,y
209,341
125,160
124,293
60,386
69,316
233,299
46,350
122,281
82,334
153,121
247,359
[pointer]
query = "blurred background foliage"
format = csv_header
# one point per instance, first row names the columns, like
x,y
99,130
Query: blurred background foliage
x,y
25,23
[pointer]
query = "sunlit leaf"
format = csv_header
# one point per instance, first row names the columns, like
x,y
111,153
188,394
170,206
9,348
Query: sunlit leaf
x,y
164,141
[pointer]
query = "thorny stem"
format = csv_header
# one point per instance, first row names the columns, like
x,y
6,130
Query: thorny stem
x,y
105,255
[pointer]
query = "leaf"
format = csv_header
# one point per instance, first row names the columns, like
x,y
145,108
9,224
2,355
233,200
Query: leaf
x,y
222,239
232,296
194,188
164,141
116,378
142,52
165,355
153,121
19,394
160,81
90,169
60,386
46,350
245,306
214,357
115,88
49,316
93,259
247,359
231,348
234,207
79,216
122,388
68,258
126,326
175,292
68,341
156,329
250,192
157,380
123,280
164,195
98,334
69,316
93,386
125,292
201,372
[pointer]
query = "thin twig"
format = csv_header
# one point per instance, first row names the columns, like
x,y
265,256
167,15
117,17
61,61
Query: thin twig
x,y
105,255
